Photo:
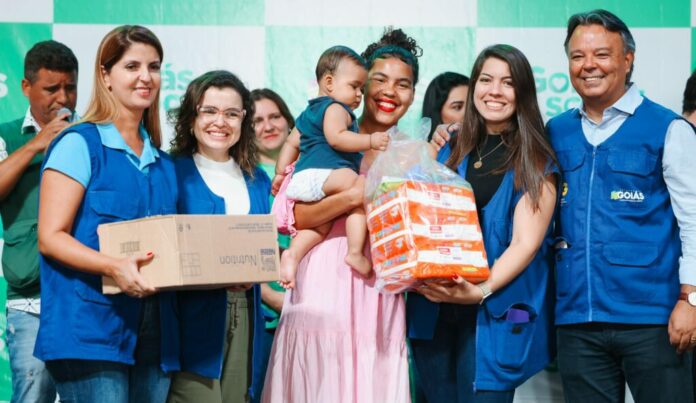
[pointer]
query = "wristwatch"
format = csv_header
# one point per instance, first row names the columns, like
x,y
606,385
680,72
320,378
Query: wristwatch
x,y
688,297
486,291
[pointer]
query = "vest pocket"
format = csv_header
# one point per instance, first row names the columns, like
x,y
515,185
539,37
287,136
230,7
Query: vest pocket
x,y
111,206
570,161
634,162
512,332
630,180
628,274
105,313
20,256
97,323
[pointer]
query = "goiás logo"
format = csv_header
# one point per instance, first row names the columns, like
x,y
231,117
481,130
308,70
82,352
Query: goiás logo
x,y
631,196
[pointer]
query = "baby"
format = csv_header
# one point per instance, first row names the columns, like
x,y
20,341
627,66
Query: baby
x,y
330,155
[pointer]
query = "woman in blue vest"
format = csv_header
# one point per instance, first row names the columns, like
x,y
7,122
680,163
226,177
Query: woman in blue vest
x,y
216,164
476,343
107,348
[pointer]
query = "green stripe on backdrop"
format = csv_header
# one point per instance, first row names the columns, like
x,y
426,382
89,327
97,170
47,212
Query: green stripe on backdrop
x,y
15,40
156,12
290,69
543,13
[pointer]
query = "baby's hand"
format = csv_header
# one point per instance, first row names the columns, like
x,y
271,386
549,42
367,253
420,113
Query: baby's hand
x,y
275,185
379,141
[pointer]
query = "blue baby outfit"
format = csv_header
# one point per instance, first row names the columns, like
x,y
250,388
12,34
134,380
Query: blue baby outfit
x,y
315,151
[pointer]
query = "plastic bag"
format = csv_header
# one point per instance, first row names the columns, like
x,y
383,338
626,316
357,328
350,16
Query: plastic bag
x,y
421,218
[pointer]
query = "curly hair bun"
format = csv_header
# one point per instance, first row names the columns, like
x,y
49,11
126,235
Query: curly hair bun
x,y
394,37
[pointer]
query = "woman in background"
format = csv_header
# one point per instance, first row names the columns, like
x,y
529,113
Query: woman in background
x,y
445,100
272,123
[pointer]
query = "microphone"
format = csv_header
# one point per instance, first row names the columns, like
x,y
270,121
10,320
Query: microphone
x,y
64,110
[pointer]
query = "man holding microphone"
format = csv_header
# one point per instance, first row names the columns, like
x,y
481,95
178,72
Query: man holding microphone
x,y
50,84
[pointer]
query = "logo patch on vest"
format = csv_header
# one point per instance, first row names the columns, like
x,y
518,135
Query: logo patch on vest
x,y
564,192
632,196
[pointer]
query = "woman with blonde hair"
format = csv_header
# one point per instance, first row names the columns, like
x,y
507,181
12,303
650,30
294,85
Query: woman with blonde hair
x,y
107,348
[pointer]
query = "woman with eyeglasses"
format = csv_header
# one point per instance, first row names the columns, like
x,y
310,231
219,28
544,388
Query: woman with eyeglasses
x,y
216,164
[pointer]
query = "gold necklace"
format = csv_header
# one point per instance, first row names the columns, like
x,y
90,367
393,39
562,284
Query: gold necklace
x,y
478,164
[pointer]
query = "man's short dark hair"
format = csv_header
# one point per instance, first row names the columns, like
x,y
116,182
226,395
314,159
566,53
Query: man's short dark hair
x,y
610,22
689,100
49,55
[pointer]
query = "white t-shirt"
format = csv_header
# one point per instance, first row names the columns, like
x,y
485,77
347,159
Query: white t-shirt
x,y
226,180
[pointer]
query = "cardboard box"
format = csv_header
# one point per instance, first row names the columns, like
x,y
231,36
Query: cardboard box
x,y
196,251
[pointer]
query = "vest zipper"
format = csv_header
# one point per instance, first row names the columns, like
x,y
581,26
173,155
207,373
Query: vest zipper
x,y
587,237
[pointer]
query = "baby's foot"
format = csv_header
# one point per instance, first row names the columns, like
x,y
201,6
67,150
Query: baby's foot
x,y
288,269
359,263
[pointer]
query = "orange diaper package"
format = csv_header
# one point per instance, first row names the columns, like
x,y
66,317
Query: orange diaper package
x,y
424,231
421,217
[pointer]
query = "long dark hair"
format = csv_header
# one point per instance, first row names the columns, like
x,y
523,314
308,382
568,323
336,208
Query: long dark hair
x,y
436,95
528,149
184,143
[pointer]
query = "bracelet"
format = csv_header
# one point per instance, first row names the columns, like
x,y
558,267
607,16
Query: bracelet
x,y
486,290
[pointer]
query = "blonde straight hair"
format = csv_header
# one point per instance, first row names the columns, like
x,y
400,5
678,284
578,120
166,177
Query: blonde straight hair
x,y
103,107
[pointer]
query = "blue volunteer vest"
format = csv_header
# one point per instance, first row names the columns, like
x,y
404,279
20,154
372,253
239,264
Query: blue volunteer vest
x,y
507,353
202,314
77,320
615,213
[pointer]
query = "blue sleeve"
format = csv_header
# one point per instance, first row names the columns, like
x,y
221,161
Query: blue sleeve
x,y
70,156
444,153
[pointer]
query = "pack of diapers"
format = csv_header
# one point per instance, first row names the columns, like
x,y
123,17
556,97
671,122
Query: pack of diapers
x,y
421,230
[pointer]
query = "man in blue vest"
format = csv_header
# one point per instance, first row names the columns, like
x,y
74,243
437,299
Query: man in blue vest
x,y
626,252
50,84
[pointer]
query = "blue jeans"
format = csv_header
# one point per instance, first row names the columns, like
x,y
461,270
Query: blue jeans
x,y
596,360
447,363
86,381
30,380
89,381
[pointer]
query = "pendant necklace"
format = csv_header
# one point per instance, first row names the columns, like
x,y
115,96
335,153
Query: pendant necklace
x,y
478,164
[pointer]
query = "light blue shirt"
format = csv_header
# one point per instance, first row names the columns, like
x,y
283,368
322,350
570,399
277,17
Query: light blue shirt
x,y
678,167
70,155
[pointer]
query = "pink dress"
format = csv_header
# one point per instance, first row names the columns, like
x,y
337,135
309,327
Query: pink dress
x,y
339,339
